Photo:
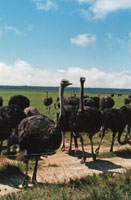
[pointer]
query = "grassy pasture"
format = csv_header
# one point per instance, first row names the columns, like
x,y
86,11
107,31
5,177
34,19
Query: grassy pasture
x,y
106,186
37,97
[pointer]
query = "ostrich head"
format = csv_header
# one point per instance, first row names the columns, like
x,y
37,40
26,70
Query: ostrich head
x,y
82,79
64,83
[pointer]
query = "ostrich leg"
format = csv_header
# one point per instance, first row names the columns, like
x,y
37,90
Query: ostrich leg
x,y
92,151
63,146
76,143
98,148
35,170
128,132
1,142
26,179
112,144
70,147
75,136
83,151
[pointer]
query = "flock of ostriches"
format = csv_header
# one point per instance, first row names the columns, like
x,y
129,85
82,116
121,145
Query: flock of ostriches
x,y
36,133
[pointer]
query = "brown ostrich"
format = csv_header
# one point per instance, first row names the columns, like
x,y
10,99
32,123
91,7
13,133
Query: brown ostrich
x,y
38,134
13,138
30,111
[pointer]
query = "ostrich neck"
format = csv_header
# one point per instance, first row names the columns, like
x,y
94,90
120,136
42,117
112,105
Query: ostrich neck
x,y
81,96
46,94
61,92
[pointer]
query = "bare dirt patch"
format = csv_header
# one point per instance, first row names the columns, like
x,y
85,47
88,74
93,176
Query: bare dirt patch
x,y
61,168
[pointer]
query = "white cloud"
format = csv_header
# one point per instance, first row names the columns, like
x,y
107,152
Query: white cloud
x,y
83,39
99,9
120,42
22,73
130,34
46,5
7,28
14,29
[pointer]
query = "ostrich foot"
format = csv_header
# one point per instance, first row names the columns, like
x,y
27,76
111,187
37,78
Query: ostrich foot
x,y
69,151
76,152
83,160
97,151
25,182
63,148
94,157
34,182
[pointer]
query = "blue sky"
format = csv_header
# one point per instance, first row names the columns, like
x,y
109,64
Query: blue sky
x,y
44,41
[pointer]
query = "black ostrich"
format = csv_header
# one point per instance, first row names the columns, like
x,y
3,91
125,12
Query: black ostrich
x,y
38,134
127,101
112,94
10,117
1,101
47,102
128,119
115,120
19,100
88,120
90,102
106,102
129,96
71,104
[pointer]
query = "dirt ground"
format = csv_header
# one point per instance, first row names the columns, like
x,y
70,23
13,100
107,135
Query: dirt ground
x,y
61,168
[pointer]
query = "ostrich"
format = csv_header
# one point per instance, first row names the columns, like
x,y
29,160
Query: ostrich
x,y
10,117
48,101
13,138
71,104
129,96
87,120
128,117
1,101
90,102
19,100
112,94
115,120
38,134
127,101
29,111
106,102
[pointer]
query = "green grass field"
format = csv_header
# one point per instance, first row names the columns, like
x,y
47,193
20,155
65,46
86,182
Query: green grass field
x,y
36,100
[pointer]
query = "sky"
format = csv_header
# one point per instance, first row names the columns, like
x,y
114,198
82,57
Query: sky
x,y
44,41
